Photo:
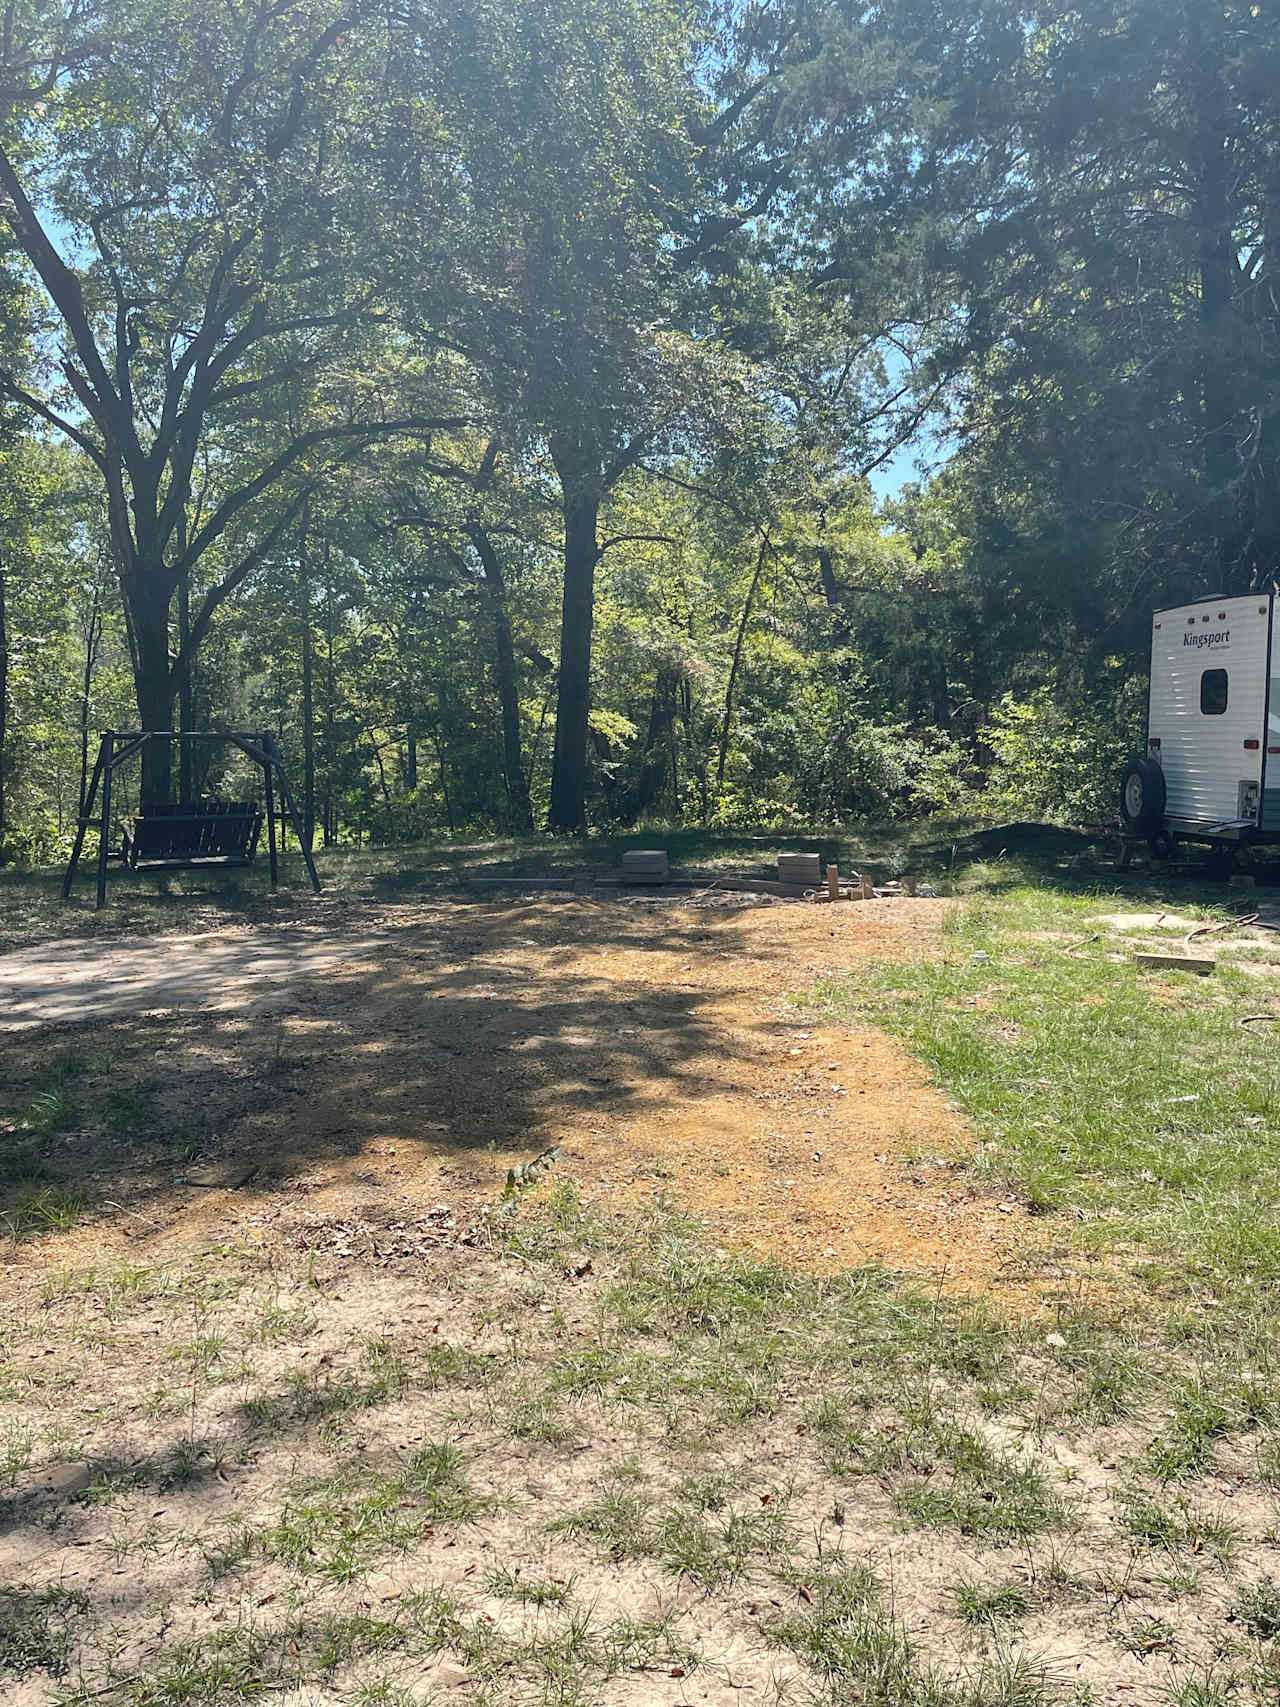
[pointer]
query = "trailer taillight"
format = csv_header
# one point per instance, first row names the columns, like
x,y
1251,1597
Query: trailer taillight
x,y
1222,616
1273,749
1251,746
1153,744
1191,622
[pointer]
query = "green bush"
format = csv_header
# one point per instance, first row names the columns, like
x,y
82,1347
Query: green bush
x,y
869,770
1059,756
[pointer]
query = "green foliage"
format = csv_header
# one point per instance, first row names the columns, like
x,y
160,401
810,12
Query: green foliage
x,y
37,1628
1058,753
326,403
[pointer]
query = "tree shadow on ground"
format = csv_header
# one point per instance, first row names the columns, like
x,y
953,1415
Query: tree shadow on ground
x,y
937,850
478,1035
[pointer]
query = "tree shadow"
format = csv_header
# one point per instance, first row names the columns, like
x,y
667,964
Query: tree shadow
x,y
477,1035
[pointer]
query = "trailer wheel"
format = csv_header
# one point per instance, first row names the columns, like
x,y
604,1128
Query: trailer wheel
x,y
1142,795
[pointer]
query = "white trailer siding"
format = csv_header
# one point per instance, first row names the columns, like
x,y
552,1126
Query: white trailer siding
x,y
1206,754
1270,815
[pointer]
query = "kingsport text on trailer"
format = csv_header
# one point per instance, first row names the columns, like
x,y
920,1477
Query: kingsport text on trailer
x,y
1211,771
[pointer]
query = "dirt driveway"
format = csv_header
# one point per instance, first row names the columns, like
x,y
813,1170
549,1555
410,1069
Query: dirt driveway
x,y
400,1063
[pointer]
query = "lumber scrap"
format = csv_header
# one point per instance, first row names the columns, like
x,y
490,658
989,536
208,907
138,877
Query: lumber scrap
x,y
1175,963
645,865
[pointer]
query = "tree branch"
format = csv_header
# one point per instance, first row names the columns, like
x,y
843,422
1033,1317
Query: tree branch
x,y
231,506
65,293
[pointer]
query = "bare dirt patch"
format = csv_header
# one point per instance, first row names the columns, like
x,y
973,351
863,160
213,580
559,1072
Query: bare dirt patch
x,y
342,1435
396,1066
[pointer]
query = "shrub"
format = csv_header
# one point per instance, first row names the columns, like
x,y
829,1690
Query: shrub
x,y
1058,755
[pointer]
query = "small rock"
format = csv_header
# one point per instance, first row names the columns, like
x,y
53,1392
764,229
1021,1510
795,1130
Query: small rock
x,y
449,1674
228,1175
63,1480
1057,1341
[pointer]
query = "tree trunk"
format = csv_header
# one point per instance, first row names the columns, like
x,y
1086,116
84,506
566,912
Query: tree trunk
x,y
444,779
186,693
154,686
1217,267
519,806
659,747
410,760
580,484
93,634
726,722
330,815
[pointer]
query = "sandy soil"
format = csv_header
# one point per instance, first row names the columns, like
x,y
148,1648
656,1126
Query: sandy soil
x,y
369,1085
396,1066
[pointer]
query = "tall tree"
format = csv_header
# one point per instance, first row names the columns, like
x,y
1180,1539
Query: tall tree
x,y
189,191
1105,181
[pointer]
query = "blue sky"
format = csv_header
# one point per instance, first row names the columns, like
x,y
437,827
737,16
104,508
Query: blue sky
x,y
889,479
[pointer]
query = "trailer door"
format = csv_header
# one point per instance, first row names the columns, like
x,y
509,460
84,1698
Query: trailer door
x,y
1209,664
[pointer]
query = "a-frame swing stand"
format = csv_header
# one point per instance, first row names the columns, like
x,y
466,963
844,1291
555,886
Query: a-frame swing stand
x,y
193,836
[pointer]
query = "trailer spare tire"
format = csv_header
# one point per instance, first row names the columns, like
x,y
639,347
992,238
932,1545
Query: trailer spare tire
x,y
1142,795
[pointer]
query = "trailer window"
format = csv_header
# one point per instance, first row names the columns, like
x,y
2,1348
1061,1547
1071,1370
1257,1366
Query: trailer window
x,y
1213,693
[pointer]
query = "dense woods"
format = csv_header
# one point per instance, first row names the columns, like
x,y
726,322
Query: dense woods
x,y
497,399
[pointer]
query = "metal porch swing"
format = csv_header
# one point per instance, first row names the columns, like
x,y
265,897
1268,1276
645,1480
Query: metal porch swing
x,y
191,835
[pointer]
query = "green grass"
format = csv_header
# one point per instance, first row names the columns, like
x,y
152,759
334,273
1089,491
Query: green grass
x,y
1178,1525
934,1410
1134,1108
855,1646
989,1603
335,1527
37,1629
42,1209
126,1108
1257,1606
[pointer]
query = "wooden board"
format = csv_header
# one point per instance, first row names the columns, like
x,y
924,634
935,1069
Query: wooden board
x,y
1175,963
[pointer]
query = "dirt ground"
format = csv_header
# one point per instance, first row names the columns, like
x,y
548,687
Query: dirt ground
x,y
410,1059
227,1391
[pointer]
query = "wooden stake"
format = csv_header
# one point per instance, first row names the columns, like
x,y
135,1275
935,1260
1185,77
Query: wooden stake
x,y
833,882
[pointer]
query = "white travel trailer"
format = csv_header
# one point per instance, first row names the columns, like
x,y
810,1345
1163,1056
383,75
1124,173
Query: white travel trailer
x,y
1211,771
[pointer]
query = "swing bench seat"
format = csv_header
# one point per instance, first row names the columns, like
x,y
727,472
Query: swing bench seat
x,y
211,832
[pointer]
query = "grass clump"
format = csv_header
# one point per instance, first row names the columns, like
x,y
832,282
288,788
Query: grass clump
x,y
854,1646
1257,1606
977,1602
37,1629
45,1209
337,1526
960,1480
1177,1525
